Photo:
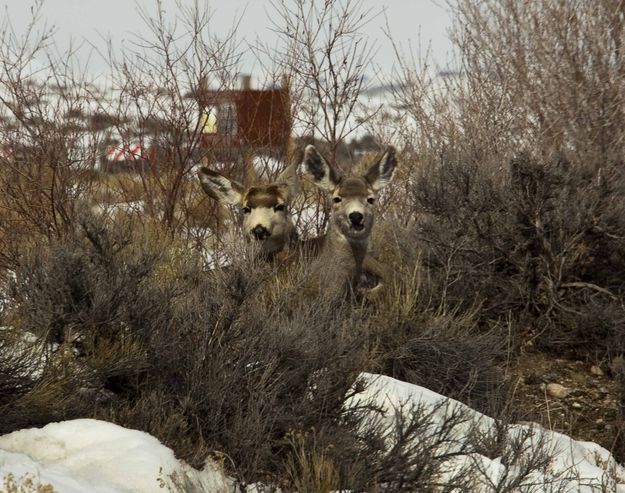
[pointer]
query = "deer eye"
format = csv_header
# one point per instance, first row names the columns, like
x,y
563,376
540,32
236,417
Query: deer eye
x,y
371,200
246,210
336,200
279,207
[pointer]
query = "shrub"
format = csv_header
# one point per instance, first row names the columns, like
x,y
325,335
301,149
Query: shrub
x,y
232,362
424,334
543,240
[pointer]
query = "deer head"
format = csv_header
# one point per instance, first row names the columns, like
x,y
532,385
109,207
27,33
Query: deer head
x,y
265,207
353,197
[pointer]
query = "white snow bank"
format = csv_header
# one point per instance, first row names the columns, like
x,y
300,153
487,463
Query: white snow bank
x,y
100,457
577,467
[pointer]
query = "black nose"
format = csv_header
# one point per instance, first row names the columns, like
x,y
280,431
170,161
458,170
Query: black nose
x,y
260,232
356,218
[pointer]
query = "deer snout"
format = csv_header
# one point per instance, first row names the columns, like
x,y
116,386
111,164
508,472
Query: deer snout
x,y
260,232
356,218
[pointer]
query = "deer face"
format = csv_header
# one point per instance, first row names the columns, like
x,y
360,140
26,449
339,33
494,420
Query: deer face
x,y
353,197
266,218
352,207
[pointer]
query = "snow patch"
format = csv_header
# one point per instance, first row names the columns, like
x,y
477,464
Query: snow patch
x,y
577,467
267,166
91,455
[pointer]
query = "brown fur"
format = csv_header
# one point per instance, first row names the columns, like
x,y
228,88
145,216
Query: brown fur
x,y
343,255
265,196
262,206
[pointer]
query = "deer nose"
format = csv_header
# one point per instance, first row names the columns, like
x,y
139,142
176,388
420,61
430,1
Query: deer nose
x,y
260,232
356,218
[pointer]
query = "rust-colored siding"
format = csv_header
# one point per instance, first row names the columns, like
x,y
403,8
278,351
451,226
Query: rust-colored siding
x,y
263,119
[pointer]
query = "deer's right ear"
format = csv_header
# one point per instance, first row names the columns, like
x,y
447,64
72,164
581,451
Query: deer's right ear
x,y
219,187
322,174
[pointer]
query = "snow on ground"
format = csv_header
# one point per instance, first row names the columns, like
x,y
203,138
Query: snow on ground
x,y
99,457
113,210
267,167
578,467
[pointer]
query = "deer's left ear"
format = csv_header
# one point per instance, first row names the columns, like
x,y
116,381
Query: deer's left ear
x,y
381,172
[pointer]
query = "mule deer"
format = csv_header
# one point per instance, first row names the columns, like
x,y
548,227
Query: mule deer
x,y
265,207
352,217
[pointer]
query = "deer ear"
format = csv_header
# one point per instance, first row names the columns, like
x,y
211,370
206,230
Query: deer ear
x,y
219,187
323,175
290,179
381,172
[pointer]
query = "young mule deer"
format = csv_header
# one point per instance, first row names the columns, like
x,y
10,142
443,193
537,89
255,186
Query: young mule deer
x,y
351,221
265,207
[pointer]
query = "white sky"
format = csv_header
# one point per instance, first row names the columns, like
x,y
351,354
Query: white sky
x,y
412,22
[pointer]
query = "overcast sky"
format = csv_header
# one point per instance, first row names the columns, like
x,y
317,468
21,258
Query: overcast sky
x,y
416,22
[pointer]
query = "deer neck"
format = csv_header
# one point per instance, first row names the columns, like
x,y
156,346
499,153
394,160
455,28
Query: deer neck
x,y
347,253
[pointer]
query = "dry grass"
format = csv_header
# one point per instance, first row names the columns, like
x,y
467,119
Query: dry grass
x,y
25,484
310,469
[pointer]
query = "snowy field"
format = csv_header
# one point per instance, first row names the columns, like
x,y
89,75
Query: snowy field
x,y
94,456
